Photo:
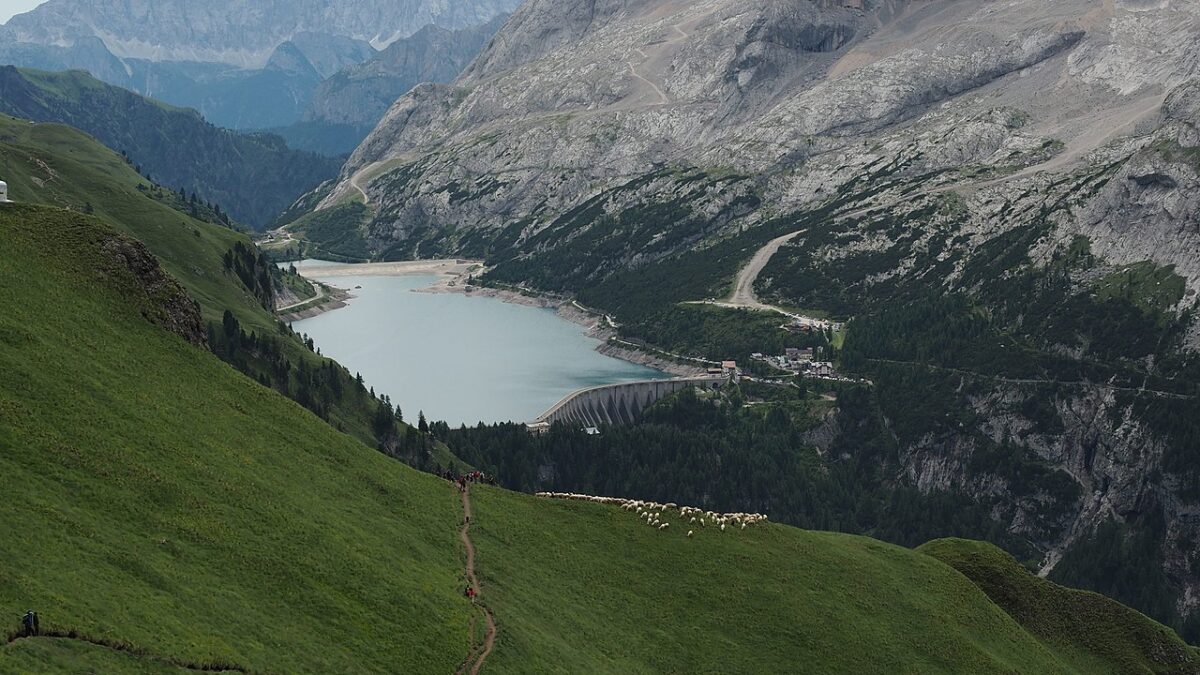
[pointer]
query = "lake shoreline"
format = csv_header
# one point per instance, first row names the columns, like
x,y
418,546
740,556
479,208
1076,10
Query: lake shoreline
x,y
454,277
459,360
337,299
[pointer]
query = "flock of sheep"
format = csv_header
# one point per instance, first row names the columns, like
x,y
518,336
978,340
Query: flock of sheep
x,y
655,514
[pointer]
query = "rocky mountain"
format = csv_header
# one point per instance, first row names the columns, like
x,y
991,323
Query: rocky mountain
x,y
360,94
328,54
1000,196
272,96
234,32
253,177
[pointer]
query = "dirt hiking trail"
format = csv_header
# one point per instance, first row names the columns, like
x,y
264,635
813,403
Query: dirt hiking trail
x,y
479,653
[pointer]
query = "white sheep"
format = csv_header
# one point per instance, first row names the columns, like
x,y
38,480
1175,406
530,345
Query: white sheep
x,y
690,533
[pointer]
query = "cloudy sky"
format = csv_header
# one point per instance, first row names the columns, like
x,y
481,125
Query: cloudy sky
x,y
10,7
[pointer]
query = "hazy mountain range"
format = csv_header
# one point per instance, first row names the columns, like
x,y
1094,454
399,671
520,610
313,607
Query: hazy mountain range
x,y
234,32
180,54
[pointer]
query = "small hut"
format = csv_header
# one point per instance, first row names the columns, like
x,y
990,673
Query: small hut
x,y
3,192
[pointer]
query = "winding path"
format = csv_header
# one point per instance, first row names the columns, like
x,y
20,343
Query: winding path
x,y
744,297
357,186
479,653
663,99
679,37
322,294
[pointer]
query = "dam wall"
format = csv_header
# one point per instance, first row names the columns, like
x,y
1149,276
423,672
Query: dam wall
x,y
619,404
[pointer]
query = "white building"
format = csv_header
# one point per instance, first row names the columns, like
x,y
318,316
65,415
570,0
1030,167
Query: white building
x,y
3,192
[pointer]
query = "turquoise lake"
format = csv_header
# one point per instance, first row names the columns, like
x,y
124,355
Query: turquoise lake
x,y
459,358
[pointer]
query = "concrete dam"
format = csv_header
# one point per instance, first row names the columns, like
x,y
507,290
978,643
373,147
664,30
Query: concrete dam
x,y
619,404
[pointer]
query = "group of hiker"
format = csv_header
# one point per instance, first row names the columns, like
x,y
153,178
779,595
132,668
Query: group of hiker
x,y
462,480
30,625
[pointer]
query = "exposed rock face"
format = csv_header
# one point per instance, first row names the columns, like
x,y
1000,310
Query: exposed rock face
x,y
238,33
327,54
360,94
593,137
167,304
573,98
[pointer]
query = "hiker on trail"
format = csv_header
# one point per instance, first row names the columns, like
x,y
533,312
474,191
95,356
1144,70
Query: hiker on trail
x,y
29,623
471,593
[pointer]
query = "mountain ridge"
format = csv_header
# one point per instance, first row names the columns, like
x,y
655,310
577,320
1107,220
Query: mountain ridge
x,y
254,177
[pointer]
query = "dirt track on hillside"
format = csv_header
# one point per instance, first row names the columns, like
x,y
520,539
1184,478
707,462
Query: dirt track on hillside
x,y
479,653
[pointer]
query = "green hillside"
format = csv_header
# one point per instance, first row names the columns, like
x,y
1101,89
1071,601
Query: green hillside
x,y
154,495
622,597
157,498
57,165
255,177
1093,633
60,166
31,656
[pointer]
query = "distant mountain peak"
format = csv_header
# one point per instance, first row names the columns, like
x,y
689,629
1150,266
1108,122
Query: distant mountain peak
x,y
239,33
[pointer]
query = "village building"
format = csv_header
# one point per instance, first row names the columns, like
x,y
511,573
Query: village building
x,y
799,355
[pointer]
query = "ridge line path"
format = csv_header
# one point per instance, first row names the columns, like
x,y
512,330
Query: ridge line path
x,y
476,657
126,648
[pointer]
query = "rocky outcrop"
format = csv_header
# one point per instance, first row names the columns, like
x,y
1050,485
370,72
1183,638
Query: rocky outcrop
x,y
806,94
163,301
328,53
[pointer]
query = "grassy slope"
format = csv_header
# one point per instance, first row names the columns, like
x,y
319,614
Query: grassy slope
x,y
31,656
1093,633
61,166
154,495
57,165
584,588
